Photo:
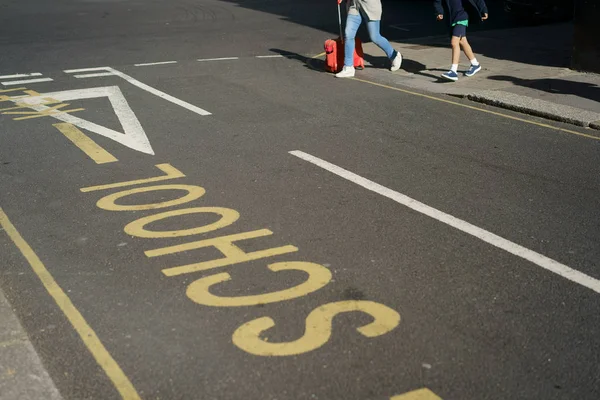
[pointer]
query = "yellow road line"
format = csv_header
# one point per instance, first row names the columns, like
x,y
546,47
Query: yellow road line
x,y
87,145
421,394
86,333
478,109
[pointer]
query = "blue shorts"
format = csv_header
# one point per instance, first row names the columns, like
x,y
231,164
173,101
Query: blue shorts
x,y
459,30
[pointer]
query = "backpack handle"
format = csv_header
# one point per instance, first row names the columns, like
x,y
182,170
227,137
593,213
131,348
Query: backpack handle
x,y
340,21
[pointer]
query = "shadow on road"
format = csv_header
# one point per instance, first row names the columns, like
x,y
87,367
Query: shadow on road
x,y
315,64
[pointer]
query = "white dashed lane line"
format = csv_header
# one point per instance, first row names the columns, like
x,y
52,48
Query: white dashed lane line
x,y
23,81
218,59
155,63
8,80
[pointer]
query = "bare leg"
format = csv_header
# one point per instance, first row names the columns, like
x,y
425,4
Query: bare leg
x,y
456,49
466,48
452,74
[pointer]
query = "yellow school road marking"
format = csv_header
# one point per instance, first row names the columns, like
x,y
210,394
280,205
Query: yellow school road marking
x,y
170,173
499,114
421,394
318,277
318,328
85,144
108,202
249,336
138,227
225,244
86,333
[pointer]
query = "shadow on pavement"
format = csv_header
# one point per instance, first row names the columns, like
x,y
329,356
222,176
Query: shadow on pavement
x,y
318,64
545,45
408,65
409,20
586,90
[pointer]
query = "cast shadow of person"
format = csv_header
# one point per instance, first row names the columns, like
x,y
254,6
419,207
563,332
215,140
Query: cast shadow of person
x,y
313,63
586,90
317,64
408,65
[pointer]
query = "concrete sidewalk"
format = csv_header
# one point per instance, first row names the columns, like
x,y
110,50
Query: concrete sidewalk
x,y
22,375
524,69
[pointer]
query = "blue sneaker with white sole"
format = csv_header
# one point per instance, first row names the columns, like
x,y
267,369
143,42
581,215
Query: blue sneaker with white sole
x,y
473,70
450,75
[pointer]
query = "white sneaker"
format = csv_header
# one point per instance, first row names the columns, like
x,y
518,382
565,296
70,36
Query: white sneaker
x,y
396,62
346,72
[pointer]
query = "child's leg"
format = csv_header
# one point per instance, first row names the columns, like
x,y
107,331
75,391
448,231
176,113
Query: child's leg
x,y
464,43
475,66
458,31
455,43
452,75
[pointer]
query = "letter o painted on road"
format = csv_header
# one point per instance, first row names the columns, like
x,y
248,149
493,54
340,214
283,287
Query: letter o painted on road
x,y
138,227
109,202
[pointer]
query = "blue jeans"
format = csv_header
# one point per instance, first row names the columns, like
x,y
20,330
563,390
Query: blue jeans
x,y
352,24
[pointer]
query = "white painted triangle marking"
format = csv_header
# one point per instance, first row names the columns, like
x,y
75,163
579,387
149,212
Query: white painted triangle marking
x,y
133,135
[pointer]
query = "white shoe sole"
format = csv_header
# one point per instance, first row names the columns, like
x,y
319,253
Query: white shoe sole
x,y
476,71
396,68
449,79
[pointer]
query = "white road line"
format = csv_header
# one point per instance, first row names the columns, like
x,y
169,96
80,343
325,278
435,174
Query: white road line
x,y
23,82
20,75
95,75
155,63
145,87
219,59
133,135
271,56
160,94
75,71
486,236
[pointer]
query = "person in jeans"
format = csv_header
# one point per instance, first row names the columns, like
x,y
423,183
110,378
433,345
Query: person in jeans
x,y
371,11
458,21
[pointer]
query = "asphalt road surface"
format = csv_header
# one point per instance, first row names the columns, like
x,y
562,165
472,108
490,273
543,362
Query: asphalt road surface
x,y
247,227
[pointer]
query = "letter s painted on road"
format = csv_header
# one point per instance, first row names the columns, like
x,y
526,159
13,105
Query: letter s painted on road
x,y
318,328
